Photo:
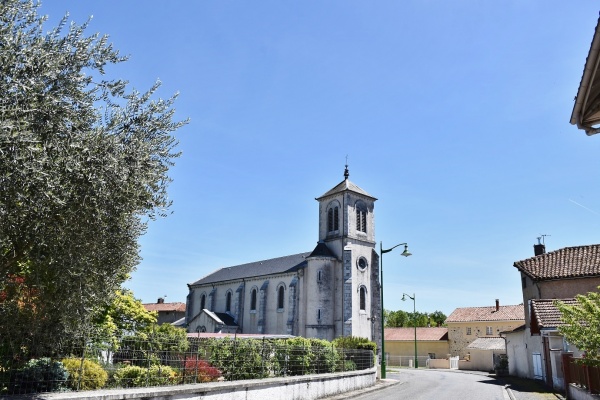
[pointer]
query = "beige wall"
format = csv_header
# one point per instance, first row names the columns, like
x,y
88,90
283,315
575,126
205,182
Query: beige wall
x,y
480,360
407,348
459,339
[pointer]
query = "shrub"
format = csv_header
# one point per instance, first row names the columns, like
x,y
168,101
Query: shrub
x,y
240,359
199,371
134,376
325,356
354,349
294,356
88,376
39,375
128,376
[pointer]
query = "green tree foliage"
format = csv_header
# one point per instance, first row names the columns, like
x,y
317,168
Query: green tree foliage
x,y
398,319
582,325
125,314
84,374
152,345
83,166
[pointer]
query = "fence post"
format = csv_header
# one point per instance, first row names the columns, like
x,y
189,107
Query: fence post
x,y
233,358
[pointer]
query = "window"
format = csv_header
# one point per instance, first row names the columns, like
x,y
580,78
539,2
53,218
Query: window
x,y
362,263
333,221
468,331
228,302
319,275
361,217
488,330
202,301
319,314
363,298
280,297
524,282
253,300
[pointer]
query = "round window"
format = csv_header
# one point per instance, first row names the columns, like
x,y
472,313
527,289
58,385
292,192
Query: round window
x,y
362,263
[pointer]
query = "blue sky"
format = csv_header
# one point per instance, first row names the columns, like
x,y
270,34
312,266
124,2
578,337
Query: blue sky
x,y
455,115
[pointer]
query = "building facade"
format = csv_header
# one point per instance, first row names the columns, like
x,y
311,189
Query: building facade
x,y
329,292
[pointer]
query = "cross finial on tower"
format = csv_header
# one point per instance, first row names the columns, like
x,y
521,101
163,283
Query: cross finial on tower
x,y
346,173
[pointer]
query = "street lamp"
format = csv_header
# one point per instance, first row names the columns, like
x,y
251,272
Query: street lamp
x,y
404,295
405,253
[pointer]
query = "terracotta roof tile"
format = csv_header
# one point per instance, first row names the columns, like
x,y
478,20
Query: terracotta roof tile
x,y
505,313
408,334
164,307
546,313
570,262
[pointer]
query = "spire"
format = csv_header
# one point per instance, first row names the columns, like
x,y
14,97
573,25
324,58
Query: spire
x,y
346,172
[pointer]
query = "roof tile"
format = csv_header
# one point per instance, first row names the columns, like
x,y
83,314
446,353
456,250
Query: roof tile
x,y
570,262
546,313
408,334
504,313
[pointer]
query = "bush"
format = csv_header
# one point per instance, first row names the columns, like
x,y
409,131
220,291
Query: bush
x,y
39,375
294,356
325,356
199,371
128,376
88,376
134,376
354,349
240,359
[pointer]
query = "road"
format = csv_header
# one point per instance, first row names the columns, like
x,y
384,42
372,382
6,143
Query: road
x,y
430,384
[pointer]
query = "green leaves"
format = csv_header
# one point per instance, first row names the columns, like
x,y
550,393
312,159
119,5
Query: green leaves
x,y
83,164
582,325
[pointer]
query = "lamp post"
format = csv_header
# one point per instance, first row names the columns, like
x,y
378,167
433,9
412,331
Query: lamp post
x,y
405,253
404,296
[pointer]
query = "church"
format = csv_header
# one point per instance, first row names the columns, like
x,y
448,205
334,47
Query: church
x,y
325,293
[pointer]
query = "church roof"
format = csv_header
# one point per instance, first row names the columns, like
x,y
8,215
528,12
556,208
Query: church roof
x,y
346,185
322,251
259,268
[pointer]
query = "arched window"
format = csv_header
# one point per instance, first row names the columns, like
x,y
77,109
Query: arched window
x,y
228,301
333,221
363,298
280,297
202,301
253,299
361,217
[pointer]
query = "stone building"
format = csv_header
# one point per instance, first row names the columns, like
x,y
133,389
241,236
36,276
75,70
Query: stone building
x,y
469,323
328,292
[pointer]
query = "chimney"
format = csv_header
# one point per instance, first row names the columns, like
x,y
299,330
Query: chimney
x,y
497,305
160,300
539,249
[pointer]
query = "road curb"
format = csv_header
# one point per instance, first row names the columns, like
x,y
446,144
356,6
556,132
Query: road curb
x,y
380,384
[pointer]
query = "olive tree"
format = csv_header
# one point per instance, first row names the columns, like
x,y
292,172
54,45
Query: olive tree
x,y
84,165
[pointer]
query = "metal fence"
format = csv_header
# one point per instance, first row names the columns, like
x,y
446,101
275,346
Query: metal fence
x,y
132,362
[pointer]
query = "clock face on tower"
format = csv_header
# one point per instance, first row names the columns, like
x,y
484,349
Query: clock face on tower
x,y
362,263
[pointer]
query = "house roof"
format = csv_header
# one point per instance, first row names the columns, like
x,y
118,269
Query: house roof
x,y
471,314
343,186
408,334
259,268
569,262
586,110
488,343
206,335
165,307
545,314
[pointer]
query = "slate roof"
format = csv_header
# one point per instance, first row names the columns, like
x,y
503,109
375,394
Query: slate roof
x,y
570,262
259,268
322,251
546,314
408,334
488,343
343,186
472,314
163,307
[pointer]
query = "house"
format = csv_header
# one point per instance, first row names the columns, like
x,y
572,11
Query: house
x,y
400,344
483,353
469,323
168,313
558,275
328,292
586,110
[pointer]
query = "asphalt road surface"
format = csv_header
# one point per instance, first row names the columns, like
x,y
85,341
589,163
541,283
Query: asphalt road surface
x,y
429,384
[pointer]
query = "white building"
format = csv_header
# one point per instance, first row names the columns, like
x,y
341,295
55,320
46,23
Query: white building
x,y
328,292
